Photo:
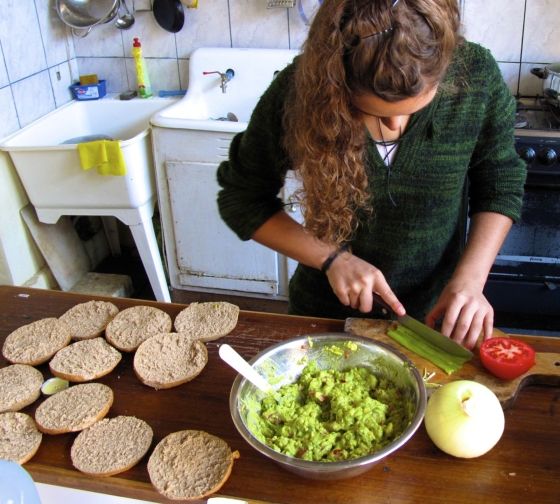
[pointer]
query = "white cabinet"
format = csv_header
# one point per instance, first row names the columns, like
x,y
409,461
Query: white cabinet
x,y
202,253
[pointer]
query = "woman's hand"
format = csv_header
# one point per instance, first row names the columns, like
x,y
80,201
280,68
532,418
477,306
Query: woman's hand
x,y
353,280
464,312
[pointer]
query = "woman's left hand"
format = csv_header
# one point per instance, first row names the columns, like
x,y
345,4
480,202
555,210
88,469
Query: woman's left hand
x,y
464,312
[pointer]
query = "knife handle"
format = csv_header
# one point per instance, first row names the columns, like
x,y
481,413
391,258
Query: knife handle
x,y
381,302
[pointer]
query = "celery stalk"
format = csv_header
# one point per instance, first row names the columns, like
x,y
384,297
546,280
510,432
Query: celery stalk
x,y
409,339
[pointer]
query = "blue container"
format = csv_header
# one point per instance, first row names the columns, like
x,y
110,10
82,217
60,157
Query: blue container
x,y
89,91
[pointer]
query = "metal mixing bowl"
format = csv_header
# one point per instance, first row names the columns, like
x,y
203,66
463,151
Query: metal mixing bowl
x,y
283,363
83,14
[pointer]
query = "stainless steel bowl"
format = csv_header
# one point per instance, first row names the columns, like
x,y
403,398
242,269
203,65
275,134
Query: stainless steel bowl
x,y
84,14
283,363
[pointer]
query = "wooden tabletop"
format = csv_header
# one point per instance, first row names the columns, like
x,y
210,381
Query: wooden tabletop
x,y
524,467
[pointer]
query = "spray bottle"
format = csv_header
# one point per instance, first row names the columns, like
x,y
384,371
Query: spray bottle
x,y
144,87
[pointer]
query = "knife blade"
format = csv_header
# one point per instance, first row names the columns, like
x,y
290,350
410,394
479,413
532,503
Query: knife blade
x,y
425,332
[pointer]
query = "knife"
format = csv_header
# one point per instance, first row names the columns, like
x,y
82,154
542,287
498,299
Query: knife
x,y
427,333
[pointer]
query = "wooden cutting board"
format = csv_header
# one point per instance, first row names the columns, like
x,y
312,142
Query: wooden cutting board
x,y
546,370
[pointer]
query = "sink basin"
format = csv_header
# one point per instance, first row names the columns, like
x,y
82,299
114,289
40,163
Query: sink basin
x,y
205,107
45,156
49,167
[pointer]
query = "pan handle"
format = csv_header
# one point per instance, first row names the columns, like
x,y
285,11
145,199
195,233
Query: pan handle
x,y
541,73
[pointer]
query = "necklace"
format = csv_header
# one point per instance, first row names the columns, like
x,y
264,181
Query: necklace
x,y
388,146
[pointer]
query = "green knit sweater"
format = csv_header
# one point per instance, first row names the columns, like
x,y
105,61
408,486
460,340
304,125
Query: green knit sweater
x,y
463,140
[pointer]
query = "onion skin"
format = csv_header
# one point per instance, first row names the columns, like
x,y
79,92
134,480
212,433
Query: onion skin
x,y
464,419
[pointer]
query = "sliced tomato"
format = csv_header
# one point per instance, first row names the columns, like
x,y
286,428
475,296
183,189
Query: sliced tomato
x,y
506,358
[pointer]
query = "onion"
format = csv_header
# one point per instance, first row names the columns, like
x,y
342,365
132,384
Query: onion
x,y
464,419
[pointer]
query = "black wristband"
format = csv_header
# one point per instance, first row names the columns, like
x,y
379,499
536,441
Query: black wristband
x,y
329,260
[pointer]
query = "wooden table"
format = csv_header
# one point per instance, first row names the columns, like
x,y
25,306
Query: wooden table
x,y
524,467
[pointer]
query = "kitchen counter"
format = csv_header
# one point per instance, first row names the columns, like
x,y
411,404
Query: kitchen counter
x,y
523,467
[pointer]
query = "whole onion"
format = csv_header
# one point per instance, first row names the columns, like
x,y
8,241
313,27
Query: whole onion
x,y
464,419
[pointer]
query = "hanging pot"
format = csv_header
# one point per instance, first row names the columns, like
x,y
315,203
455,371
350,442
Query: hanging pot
x,y
551,82
83,15
169,14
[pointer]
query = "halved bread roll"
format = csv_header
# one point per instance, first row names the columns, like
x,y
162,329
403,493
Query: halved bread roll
x,y
20,385
136,324
190,464
74,409
85,360
111,446
36,342
169,359
207,321
89,320
19,437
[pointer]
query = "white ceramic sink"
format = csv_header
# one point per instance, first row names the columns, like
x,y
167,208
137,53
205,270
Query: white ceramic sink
x,y
204,106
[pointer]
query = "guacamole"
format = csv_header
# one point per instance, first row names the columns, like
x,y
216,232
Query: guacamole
x,y
330,415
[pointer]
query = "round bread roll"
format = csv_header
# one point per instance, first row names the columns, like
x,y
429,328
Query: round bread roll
x,y
136,324
74,409
19,437
207,321
169,359
37,342
190,464
88,320
85,360
111,446
20,385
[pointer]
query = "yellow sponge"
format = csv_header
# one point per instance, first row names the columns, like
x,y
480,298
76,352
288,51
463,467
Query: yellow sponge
x,y
88,79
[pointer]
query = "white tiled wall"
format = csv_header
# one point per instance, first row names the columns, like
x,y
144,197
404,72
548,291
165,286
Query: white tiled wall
x,y
39,57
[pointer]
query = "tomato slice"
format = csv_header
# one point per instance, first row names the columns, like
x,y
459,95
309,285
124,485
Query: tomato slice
x,y
506,358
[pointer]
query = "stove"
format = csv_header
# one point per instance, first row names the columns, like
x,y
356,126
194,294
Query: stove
x,y
524,282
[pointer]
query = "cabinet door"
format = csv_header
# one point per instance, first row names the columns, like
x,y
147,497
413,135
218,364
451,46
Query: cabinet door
x,y
208,254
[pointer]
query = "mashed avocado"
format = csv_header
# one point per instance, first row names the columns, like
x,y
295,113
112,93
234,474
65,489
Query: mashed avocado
x,y
330,415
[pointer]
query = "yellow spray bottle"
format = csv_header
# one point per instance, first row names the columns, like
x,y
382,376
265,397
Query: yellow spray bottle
x,y
144,86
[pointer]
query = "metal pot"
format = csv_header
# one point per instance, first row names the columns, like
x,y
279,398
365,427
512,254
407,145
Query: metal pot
x,y
83,15
551,82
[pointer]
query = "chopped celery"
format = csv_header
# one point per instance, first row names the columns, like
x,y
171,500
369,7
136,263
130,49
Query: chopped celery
x,y
409,339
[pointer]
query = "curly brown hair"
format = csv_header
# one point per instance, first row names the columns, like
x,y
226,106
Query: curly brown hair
x,y
393,50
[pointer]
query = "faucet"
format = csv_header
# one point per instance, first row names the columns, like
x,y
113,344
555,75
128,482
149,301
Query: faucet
x,y
225,77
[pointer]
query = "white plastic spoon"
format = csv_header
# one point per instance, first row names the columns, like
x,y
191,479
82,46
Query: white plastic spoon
x,y
231,357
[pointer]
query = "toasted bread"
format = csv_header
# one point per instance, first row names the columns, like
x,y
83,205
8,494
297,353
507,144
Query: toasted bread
x,y
169,359
20,385
36,342
74,409
111,446
190,464
85,360
88,320
207,321
19,437
132,326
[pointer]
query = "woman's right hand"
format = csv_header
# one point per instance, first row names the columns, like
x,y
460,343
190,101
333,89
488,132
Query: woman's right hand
x,y
353,280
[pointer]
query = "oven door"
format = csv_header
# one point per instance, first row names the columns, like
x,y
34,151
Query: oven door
x,y
524,283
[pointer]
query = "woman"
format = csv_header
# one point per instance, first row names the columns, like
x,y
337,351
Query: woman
x,y
387,117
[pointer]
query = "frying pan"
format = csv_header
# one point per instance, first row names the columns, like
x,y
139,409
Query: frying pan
x,y
169,14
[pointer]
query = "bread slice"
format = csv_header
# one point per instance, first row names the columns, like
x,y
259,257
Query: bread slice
x,y
88,320
20,385
190,464
85,360
37,342
74,409
136,324
19,437
111,446
169,359
207,321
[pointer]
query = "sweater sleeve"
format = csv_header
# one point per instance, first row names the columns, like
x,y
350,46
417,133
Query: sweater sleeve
x,y
496,173
253,176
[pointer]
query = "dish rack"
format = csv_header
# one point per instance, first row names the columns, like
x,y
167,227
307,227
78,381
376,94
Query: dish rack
x,y
280,3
